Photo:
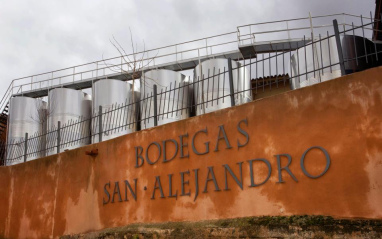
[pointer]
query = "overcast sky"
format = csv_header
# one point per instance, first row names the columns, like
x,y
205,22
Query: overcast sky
x,y
45,35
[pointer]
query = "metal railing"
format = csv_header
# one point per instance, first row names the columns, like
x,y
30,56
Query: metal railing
x,y
100,69
215,90
295,29
199,48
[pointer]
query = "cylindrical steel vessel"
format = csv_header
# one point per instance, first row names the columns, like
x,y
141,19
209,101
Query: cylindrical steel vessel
x,y
172,97
307,60
71,108
118,109
212,86
26,115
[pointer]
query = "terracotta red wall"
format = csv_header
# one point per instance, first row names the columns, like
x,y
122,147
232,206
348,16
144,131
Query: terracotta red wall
x,y
64,193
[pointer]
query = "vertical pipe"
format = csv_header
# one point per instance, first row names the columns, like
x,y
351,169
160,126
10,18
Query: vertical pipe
x,y
25,147
58,136
230,76
330,57
277,71
290,77
355,46
169,97
322,59
164,101
314,62
263,59
145,107
206,48
306,63
213,86
100,123
372,26
311,26
181,100
270,71
256,76
283,52
223,85
208,86
250,75
217,97
298,66
155,105
339,48
364,40
96,70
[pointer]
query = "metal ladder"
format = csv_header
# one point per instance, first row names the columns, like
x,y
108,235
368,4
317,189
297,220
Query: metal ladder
x,y
3,131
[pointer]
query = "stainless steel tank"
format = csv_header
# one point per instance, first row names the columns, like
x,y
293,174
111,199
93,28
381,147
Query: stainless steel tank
x,y
171,106
26,115
305,73
212,88
118,95
71,108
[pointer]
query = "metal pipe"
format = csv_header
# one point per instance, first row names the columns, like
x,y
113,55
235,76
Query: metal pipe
x,y
339,48
25,147
58,136
230,78
100,123
155,105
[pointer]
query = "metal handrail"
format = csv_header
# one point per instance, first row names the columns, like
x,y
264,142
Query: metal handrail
x,y
114,65
240,36
102,61
303,18
117,57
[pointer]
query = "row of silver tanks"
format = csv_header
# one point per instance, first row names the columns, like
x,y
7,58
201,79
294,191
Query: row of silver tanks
x,y
74,107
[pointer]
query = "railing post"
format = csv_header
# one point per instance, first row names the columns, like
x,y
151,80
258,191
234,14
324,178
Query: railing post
x,y
96,70
58,136
155,105
339,48
100,123
230,78
206,47
25,147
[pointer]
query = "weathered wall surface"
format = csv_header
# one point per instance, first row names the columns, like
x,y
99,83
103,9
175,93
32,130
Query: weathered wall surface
x,y
318,227
73,192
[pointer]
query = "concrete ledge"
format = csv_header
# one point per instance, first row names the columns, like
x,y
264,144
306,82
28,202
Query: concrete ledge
x,y
248,227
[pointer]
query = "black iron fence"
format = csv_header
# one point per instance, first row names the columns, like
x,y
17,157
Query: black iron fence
x,y
319,59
